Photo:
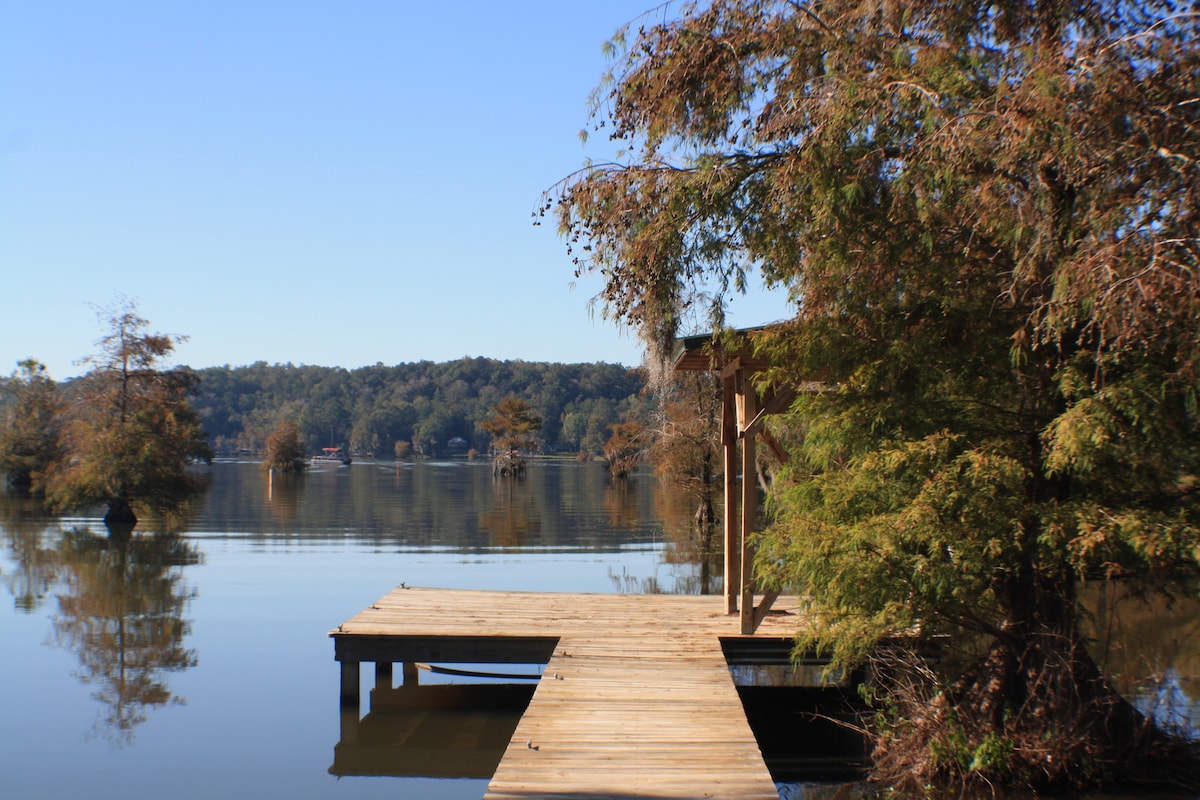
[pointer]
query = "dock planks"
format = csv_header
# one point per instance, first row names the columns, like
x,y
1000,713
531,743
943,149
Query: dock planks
x,y
636,699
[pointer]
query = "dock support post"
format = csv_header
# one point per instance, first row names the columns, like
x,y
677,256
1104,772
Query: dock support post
x,y
409,674
747,409
350,689
731,522
383,674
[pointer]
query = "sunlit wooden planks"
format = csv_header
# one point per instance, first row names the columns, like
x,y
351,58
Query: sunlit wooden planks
x,y
665,722
636,699
450,611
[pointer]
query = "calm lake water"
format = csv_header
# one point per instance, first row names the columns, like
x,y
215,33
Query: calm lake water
x,y
199,666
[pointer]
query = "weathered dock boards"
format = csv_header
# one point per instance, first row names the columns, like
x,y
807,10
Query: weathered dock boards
x,y
636,699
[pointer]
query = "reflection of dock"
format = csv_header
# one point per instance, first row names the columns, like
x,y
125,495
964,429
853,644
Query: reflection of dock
x,y
435,731
636,699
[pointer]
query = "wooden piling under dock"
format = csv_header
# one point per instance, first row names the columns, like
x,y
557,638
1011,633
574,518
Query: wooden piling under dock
x,y
636,699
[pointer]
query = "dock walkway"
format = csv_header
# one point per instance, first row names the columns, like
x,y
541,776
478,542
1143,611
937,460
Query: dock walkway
x,y
636,699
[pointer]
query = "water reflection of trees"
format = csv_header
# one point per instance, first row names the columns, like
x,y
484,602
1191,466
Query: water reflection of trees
x,y
430,504
1150,648
27,535
122,613
693,543
621,504
284,490
695,539
514,518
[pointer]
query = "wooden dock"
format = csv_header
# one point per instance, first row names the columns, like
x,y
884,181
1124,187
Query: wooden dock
x,y
636,699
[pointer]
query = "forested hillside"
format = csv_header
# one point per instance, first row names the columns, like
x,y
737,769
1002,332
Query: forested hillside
x,y
430,406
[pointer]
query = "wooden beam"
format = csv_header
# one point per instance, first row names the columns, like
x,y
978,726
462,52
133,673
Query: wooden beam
x,y
763,608
774,447
460,649
732,367
773,403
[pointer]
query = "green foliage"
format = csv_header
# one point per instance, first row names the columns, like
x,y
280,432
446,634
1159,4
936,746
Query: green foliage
x,y
28,436
423,404
956,752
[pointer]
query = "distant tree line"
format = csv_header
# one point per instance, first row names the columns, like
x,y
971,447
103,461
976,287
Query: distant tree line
x,y
126,433
423,408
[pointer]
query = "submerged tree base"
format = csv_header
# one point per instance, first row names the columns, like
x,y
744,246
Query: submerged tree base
x,y
508,465
20,483
1044,722
120,515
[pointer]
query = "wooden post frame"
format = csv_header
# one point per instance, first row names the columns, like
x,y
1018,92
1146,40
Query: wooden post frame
x,y
742,414
730,520
746,408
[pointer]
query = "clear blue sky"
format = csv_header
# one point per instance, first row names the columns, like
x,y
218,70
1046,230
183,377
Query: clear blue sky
x,y
300,181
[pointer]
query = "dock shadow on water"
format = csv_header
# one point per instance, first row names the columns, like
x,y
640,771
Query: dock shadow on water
x,y
806,724
458,730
